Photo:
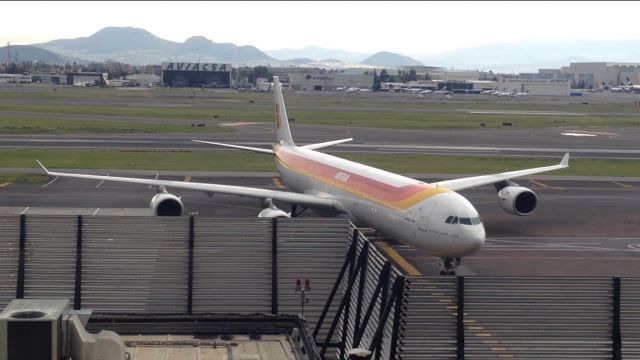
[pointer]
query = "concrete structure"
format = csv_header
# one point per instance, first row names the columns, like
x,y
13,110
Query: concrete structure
x,y
263,84
145,79
86,78
593,74
15,79
46,79
455,75
330,80
463,86
439,73
544,87
183,74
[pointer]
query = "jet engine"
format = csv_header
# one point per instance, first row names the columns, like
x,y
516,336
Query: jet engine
x,y
272,211
165,204
517,200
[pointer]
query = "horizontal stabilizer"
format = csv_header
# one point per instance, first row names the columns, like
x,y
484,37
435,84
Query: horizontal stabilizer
x,y
325,144
259,150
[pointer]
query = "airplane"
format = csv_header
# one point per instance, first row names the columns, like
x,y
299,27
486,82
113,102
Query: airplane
x,y
429,216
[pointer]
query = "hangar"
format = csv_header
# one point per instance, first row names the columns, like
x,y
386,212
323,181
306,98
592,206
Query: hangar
x,y
183,74
594,74
544,87
331,80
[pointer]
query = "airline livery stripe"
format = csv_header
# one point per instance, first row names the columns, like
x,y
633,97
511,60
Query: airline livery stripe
x,y
397,198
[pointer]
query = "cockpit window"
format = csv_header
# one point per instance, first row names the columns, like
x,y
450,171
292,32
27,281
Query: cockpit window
x,y
470,221
464,221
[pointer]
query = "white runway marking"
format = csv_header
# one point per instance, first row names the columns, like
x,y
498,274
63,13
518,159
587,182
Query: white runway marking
x,y
101,182
513,112
95,212
50,182
526,244
578,134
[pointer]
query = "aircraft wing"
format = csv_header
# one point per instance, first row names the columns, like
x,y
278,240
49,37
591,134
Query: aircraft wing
x,y
474,181
306,200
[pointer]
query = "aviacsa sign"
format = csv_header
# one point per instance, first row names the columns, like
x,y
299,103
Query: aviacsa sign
x,y
184,66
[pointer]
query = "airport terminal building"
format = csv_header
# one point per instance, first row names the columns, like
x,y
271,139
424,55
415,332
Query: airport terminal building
x,y
183,74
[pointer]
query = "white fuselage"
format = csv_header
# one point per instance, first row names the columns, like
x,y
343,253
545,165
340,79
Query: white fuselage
x,y
440,221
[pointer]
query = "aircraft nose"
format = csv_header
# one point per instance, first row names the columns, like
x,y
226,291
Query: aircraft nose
x,y
474,238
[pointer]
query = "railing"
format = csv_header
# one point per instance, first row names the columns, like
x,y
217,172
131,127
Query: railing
x,y
192,266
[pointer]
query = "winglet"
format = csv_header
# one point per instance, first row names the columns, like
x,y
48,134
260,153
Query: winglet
x,y
565,160
42,166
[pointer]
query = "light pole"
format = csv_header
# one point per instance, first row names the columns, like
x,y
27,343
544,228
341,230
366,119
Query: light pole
x,y
303,292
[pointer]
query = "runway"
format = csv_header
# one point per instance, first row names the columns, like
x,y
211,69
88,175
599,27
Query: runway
x,y
619,143
581,228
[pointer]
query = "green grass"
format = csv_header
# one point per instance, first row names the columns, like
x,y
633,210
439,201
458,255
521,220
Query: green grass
x,y
146,112
378,119
242,161
26,125
23,178
459,120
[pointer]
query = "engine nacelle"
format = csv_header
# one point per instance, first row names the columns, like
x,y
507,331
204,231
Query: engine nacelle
x,y
273,213
165,204
517,200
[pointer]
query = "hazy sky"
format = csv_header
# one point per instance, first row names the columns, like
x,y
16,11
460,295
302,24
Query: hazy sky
x,y
404,27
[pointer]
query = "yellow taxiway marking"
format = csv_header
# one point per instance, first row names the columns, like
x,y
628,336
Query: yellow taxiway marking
x,y
278,183
404,264
5,184
187,178
541,184
621,184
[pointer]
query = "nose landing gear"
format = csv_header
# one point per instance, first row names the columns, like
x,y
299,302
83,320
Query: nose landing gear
x,y
449,265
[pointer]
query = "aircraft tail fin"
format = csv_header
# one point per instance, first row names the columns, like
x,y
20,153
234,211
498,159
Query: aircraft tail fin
x,y
282,121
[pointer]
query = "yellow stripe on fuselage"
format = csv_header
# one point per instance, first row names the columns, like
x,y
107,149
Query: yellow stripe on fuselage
x,y
415,198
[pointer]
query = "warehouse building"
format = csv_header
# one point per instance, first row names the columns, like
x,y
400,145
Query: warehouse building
x,y
543,87
330,80
183,74
590,75
87,78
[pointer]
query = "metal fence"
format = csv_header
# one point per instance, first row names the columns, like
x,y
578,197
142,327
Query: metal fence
x,y
357,298
522,318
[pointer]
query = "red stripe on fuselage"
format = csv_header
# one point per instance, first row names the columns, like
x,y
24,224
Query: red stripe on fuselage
x,y
367,188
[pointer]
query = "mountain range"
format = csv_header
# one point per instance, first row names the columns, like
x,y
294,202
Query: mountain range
x,y
138,46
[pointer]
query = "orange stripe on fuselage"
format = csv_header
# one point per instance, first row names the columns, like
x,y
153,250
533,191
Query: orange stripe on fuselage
x,y
398,198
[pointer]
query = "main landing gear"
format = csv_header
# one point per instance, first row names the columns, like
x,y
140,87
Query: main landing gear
x,y
449,265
